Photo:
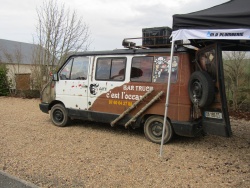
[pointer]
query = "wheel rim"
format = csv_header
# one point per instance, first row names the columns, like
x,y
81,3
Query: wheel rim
x,y
156,128
197,89
58,116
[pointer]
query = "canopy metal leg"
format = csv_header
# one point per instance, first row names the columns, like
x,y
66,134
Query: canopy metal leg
x,y
167,96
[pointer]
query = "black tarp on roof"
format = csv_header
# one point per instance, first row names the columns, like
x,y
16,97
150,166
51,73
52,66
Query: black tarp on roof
x,y
234,14
229,15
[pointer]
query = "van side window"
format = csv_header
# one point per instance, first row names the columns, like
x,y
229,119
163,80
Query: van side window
x,y
142,68
110,69
75,69
80,68
161,66
65,72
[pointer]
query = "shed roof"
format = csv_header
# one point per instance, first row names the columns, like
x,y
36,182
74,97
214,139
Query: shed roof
x,y
12,47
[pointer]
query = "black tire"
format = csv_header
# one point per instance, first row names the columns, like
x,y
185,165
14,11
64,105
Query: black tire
x,y
59,115
153,129
201,87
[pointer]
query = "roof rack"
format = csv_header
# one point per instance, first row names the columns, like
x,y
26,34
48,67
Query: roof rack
x,y
147,42
127,43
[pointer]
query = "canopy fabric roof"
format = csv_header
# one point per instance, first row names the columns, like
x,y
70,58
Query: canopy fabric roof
x,y
230,15
228,21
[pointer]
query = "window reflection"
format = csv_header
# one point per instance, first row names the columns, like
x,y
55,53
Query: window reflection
x,y
75,69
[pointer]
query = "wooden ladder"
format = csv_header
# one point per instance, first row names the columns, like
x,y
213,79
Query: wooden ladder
x,y
134,105
130,108
144,108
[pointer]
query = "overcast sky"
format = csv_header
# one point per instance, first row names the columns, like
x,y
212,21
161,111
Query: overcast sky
x,y
110,21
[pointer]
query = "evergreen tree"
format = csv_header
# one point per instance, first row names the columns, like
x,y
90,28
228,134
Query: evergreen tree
x,y
4,83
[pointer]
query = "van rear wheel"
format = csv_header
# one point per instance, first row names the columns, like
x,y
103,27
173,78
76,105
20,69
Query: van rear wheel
x,y
59,115
153,128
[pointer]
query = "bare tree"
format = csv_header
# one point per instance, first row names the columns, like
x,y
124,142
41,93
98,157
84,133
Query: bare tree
x,y
235,75
59,32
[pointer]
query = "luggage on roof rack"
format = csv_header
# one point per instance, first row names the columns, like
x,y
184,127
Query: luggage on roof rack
x,y
156,37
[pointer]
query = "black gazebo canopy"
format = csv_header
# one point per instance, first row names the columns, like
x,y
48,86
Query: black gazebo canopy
x,y
228,23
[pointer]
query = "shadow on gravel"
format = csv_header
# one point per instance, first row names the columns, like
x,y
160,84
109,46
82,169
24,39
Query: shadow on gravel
x,y
105,127
203,142
119,129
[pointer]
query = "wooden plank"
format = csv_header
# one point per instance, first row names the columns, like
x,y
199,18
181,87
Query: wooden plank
x,y
144,108
130,108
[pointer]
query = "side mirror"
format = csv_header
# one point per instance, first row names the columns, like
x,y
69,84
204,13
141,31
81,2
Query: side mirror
x,y
55,77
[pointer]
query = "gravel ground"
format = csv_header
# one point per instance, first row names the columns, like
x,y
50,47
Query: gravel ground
x,y
88,154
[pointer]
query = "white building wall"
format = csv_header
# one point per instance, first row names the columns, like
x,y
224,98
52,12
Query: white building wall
x,y
14,69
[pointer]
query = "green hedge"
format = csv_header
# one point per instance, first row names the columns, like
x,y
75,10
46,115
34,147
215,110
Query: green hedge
x,y
4,83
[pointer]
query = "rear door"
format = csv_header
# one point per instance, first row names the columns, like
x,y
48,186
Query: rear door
x,y
215,116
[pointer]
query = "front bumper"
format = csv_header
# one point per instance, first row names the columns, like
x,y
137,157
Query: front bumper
x,y
44,107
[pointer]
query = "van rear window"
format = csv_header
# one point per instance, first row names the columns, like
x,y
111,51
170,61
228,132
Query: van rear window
x,y
141,69
153,69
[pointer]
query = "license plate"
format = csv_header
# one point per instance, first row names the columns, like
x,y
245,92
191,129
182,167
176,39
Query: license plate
x,y
215,115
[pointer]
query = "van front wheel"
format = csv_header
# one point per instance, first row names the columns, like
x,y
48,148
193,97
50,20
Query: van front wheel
x,y
153,128
59,115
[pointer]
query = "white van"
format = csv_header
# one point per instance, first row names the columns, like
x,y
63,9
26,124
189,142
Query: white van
x,y
128,87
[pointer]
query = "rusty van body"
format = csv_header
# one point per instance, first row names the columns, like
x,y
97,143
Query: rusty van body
x,y
128,87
